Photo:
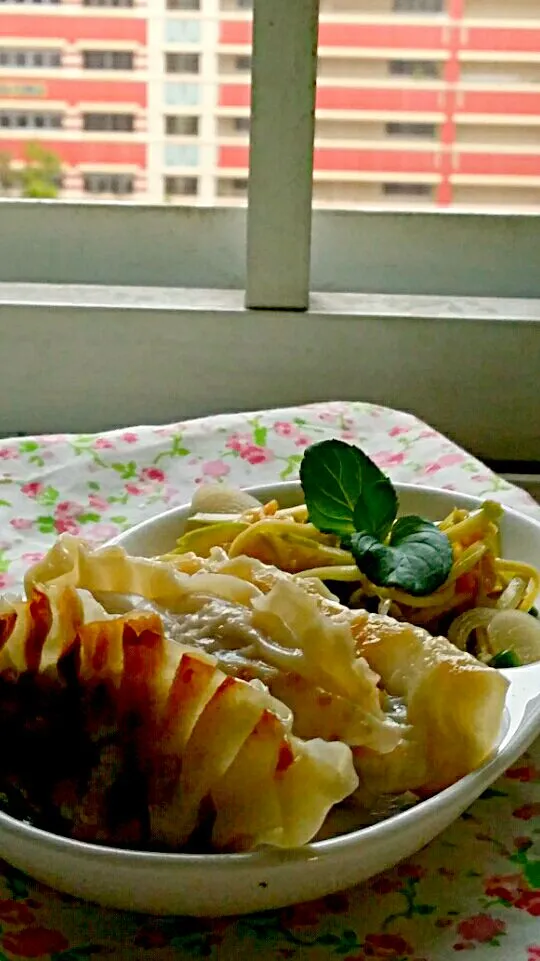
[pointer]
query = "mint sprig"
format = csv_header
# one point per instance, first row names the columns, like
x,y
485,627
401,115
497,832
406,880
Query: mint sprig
x,y
347,495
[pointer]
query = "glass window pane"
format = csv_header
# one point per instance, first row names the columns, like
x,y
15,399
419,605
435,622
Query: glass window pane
x,y
431,103
439,96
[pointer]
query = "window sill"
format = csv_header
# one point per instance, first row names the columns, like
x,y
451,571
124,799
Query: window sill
x,y
83,358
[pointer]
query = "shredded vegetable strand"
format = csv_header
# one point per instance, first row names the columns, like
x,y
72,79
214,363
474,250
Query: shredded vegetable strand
x,y
528,573
479,578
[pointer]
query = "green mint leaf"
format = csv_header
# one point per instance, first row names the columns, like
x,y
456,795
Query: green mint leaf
x,y
343,487
417,559
376,509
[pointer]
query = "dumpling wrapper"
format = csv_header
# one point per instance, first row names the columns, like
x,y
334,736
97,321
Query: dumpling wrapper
x,y
206,718
454,703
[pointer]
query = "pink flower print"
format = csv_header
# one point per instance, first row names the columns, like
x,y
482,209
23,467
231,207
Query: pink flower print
x,y
34,942
66,525
32,489
134,489
524,773
284,428
152,474
348,435
398,431
8,453
302,440
449,460
68,508
326,416
427,434
4,581
102,532
388,459
97,502
533,952
33,557
21,523
504,886
384,884
130,438
254,454
216,468
103,443
527,812
529,901
523,843
238,442
413,871
481,927
386,946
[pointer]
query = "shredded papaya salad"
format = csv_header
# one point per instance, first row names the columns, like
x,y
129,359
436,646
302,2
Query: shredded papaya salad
x,y
349,540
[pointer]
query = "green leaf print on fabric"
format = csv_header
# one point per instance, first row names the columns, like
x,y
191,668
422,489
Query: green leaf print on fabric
x,y
48,496
176,449
127,471
46,524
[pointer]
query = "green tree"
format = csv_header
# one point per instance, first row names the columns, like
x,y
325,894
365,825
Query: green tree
x,y
40,177
8,177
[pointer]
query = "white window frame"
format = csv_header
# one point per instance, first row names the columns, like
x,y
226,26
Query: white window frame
x,y
116,314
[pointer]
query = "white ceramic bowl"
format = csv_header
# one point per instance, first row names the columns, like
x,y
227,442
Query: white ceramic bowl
x,y
210,885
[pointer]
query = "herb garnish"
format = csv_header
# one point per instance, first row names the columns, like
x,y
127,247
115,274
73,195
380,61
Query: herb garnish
x,y
347,495
506,658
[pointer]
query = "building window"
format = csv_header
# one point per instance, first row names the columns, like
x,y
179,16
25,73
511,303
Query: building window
x,y
396,129
113,122
407,190
428,69
183,4
420,6
182,126
181,186
30,120
41,59
108,3
108,183
242,63
241,124
107,59
182,62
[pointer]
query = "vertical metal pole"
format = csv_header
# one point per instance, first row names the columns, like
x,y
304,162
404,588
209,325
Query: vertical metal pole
x,y
281,153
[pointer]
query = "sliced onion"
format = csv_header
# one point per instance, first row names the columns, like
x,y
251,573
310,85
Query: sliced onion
x,y
463,626
512,595
219,499
515,631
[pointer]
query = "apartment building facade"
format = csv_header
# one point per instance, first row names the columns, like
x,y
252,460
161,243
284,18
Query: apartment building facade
x,y
419,102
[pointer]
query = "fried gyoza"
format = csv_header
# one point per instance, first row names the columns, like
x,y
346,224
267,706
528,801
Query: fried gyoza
x,y
119,735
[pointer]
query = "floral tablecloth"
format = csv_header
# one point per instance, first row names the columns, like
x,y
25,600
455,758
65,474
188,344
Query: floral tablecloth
x,y
475,889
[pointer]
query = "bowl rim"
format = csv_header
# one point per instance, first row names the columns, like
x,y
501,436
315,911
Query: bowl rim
x,y
268,857
293,486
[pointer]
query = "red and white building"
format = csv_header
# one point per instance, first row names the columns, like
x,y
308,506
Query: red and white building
x,y
419,101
